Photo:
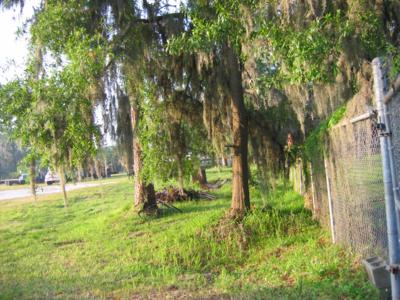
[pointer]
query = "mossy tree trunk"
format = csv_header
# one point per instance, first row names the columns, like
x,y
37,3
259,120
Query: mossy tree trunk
x,y
105,167
137,159
178,147
181,181
150,205
80,172
91,170
97,168
32,178
240,181
145,199
224,161
200,176
37,75
61,173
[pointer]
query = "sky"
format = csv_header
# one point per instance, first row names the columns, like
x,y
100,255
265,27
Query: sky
x,y
13,50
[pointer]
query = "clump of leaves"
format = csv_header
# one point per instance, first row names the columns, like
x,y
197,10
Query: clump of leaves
x,y
314,144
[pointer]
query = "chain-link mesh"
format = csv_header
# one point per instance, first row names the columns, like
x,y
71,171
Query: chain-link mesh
x,y
353,165
354,169
319,190
394,113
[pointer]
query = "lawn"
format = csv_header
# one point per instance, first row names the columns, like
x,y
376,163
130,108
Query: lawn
x,y
99,248
4,187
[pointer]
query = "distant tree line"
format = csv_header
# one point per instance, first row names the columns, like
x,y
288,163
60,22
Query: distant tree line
x,y
10,156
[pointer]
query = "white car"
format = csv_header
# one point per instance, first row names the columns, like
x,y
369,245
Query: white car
x,y
51,177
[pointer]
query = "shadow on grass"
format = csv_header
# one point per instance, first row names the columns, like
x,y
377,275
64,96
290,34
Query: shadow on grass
x,y
186,209
77,199
323,289
50,289
289,211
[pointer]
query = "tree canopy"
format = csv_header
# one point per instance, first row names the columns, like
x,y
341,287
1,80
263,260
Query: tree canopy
x,y
203,80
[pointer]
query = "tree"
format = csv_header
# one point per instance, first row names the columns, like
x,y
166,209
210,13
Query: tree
x,y
218,30
151,77
14,113
51,108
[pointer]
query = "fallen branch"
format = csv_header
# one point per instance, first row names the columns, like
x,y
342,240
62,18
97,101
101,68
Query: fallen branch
x,y
216,185
171,194
169,205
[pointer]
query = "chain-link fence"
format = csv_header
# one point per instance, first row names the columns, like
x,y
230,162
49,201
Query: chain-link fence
x,y
347,186
394,114
353,180
354,170
346,183
319,191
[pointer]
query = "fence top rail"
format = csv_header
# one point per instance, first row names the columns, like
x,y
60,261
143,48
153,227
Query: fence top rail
x,y
370,113
365,116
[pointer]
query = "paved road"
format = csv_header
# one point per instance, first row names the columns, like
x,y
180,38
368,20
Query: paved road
x,y
44,190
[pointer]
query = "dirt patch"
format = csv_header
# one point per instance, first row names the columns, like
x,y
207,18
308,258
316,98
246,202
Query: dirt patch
x,y
278,252
174,293
66,243
290,281
136,234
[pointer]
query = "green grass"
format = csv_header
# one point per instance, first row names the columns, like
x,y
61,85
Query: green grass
x,y
4,187
99,248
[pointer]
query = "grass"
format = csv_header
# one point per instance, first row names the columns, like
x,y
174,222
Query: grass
x,y
99,248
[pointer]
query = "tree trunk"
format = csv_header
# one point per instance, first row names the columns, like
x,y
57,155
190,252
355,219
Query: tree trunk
x,y
62,183
80,172
200,176
37,75
32,176
240,181
145,197
150,205
97,168
181,182
178,147
105,167
137,159
91,170
224,161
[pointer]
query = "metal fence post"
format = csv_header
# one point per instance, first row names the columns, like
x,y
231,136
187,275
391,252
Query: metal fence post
x,y
328,189
388,172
